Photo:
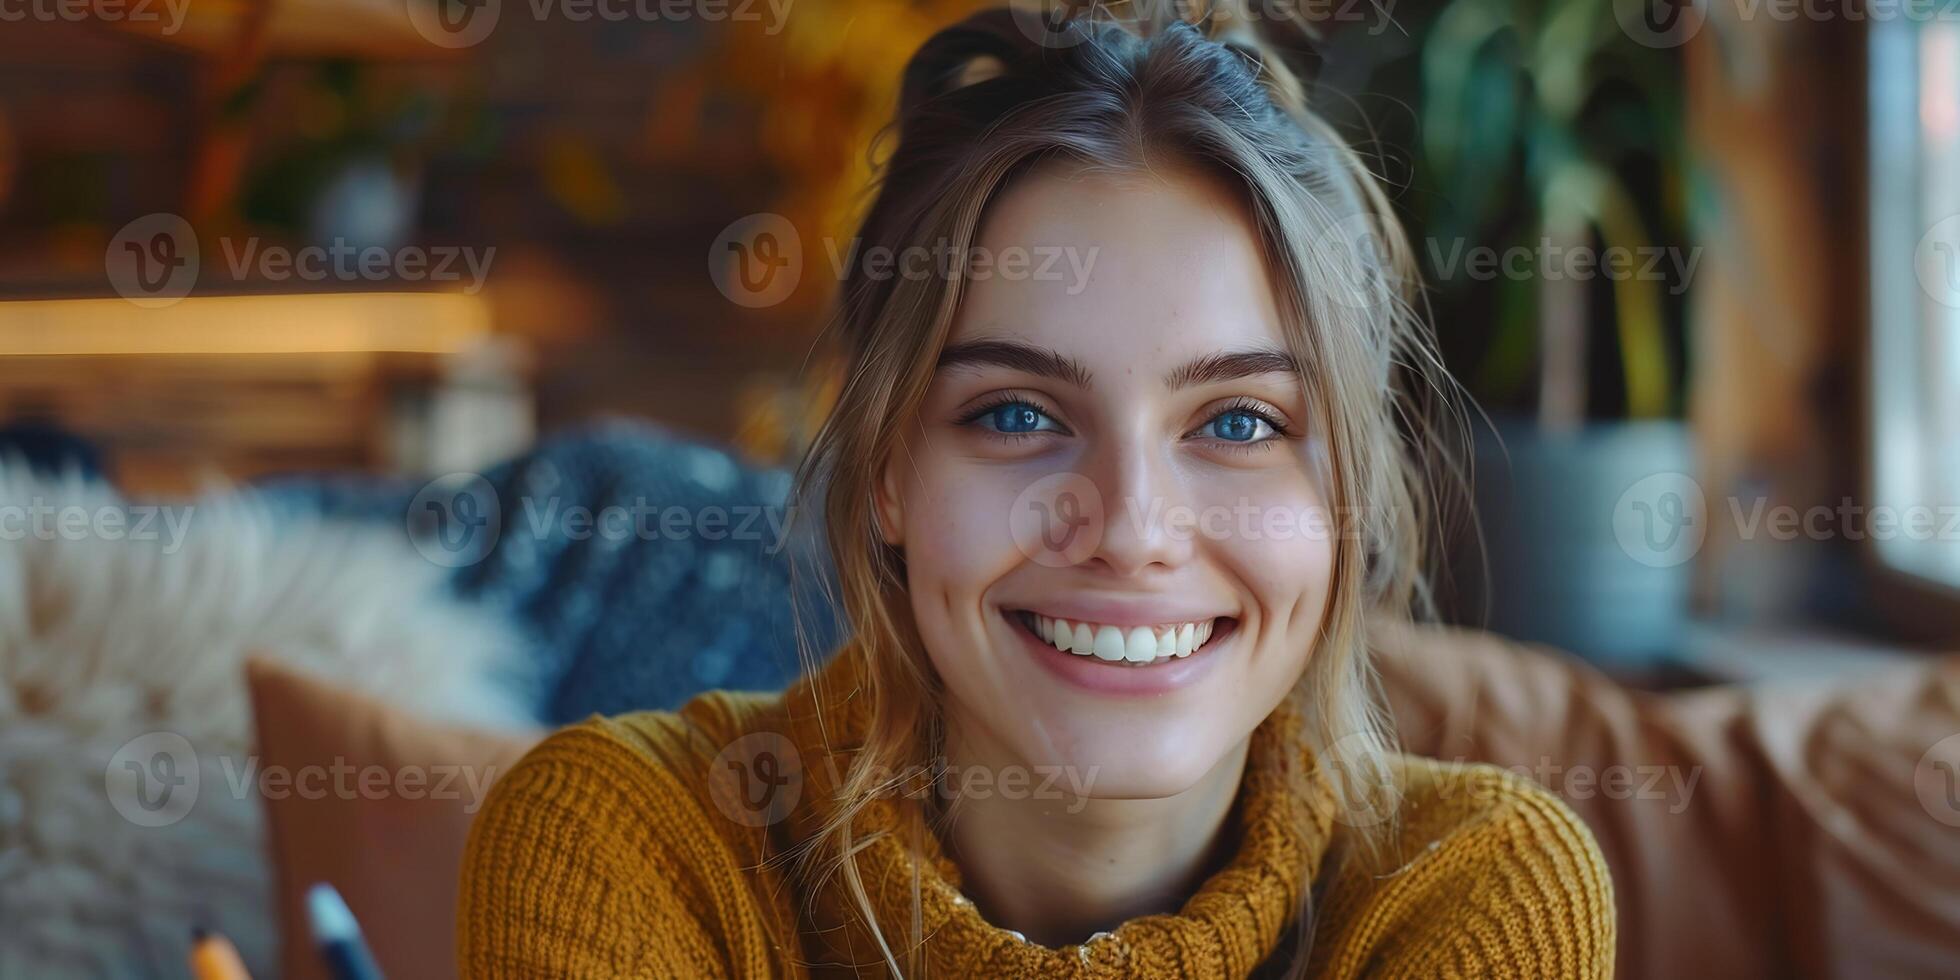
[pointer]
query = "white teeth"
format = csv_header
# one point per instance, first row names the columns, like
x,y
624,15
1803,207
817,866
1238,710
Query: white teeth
x,y
1109,644
1136,644
1166,640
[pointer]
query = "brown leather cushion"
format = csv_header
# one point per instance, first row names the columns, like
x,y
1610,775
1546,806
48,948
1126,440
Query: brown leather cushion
x,y
392,846
1786,831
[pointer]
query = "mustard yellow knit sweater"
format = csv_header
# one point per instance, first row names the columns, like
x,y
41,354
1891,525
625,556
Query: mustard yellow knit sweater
x,y
614,849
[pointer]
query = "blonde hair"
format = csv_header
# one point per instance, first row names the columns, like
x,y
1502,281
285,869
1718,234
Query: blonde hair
x,y
989,98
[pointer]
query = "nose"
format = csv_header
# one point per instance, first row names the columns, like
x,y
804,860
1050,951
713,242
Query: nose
x,y
1143,500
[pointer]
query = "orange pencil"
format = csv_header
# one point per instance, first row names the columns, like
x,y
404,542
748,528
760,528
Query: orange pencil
x,y
213,957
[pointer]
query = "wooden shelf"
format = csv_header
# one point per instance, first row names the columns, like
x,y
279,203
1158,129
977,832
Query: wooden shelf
x,y
237,387
308,323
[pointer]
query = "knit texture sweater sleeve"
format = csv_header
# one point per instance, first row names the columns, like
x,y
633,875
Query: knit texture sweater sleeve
x,y
1485,874
592,858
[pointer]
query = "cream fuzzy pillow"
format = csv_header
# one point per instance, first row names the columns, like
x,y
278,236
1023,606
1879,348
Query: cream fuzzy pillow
x,y
129,807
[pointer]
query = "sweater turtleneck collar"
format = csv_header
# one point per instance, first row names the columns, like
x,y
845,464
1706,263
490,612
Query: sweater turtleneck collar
x,y
1241,913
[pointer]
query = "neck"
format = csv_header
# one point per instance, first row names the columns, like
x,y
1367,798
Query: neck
x,y
1060,870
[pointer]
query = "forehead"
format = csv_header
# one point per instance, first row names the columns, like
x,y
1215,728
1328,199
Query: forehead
x,y
1150,267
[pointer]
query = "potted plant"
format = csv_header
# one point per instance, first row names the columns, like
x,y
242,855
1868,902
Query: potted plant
x,y
1547,197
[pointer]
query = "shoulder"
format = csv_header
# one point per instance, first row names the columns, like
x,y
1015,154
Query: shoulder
x,y
602,847
1478,865
648,763
1438,798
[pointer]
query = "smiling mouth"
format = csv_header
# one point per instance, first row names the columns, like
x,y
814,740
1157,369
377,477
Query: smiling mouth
x,y
1134,646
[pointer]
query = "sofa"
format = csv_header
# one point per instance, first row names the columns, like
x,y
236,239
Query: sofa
x,y
1789,831
1786,830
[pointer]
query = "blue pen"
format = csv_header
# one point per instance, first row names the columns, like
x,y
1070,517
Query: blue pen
x,y
338,936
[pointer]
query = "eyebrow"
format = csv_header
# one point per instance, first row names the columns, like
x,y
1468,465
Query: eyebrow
x,y
1017,356
1046,363
1233,365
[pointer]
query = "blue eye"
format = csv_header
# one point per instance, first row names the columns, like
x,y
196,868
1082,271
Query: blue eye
x,y
1017,418
1238,425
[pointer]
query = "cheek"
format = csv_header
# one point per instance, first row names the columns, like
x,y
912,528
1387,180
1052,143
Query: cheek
x,y
957,541
1280,546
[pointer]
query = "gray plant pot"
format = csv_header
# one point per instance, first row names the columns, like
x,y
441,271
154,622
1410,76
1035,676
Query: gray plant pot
x,y
1589,536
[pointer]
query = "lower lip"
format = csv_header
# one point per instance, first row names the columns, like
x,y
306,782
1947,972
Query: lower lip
x,y
1099,676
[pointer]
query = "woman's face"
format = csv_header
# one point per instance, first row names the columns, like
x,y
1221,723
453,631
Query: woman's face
x,y
1116,538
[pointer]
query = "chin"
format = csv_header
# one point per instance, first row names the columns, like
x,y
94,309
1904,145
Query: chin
x,y
1135,765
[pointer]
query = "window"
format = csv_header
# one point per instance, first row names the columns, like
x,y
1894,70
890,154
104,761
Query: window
x,y
1915,296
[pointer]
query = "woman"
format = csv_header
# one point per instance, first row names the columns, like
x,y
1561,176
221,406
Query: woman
x,y
1110,537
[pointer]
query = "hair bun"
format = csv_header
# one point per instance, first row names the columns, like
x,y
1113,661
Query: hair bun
x,y
1274,37
982,47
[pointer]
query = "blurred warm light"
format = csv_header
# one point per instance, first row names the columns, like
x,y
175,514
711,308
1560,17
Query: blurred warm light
x,y
433,323
1939,89
827,85
290,28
